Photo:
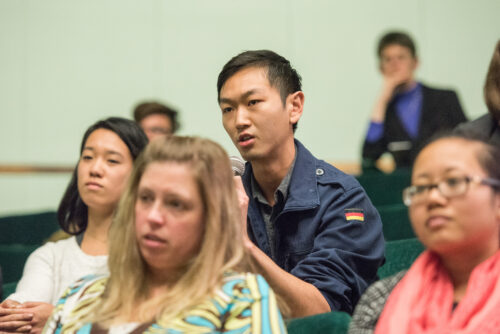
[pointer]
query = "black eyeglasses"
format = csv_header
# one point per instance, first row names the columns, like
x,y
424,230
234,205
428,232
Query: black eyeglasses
x,y
448,187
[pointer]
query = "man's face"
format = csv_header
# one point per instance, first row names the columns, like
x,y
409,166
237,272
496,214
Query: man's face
x,y
396,61
254,116
156,125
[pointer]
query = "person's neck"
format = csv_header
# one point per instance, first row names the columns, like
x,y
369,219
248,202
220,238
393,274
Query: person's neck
x,y
270,172
407,86
460,265
95,237
160,281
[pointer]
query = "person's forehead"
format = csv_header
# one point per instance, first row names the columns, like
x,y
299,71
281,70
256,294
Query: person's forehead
x,y
395,48
105,140
449,153
156,117
245,81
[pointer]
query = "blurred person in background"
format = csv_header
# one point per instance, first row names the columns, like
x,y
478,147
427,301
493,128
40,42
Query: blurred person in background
x,y
489,125
156,119
407,112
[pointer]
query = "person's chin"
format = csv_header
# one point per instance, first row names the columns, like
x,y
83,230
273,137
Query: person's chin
x,y
249,155
404,86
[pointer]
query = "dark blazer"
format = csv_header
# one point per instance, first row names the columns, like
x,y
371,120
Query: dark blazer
x,y
441,110
485,126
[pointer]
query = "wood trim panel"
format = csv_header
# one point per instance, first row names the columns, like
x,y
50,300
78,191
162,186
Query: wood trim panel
x,y
35,169
352,168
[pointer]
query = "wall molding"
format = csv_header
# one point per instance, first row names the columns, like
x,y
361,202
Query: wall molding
x,y
35,169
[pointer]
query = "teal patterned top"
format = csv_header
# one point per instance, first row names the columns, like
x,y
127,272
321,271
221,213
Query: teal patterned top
x,y
243,304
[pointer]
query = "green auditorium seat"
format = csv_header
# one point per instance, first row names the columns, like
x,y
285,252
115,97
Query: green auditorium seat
x,y
8,289
331,322
399,255
29,229
385,189
12,259
395,222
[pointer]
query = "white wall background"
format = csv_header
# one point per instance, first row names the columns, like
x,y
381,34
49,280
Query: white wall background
x,y
65,64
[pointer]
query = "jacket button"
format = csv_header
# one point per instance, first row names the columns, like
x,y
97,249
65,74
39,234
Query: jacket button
x,y
320,171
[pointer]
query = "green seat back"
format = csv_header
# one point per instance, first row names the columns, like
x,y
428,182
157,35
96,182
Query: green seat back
x,y
12,259
395,222
399,255
29,229
385,189
331,322
8,289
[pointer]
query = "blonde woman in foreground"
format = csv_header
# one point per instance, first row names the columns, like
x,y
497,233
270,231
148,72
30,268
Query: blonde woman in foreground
x,y
176,258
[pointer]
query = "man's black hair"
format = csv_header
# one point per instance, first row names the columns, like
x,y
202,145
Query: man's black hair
x,y
280,73
399,38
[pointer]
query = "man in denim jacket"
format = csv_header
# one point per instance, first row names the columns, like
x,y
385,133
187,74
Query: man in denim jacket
x,y
312,231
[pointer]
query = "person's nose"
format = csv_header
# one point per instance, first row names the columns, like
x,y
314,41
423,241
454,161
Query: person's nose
x,y
435,197
155,214
242,119
97,168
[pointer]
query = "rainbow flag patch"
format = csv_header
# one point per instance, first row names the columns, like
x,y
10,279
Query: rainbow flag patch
x,y
354,214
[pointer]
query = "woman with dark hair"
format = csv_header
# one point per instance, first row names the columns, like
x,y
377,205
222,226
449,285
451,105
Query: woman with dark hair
x,y
454,208
107,152
488,125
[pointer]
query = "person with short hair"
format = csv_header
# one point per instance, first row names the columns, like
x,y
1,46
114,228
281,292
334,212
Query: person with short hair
x,y
454,208
312,232
107,152
407,112
156,119
176,257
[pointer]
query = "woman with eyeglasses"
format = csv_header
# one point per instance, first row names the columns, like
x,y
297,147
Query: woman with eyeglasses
x,y
454,208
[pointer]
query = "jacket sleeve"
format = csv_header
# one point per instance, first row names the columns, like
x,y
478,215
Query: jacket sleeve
x,y
373,150
455,113
346,253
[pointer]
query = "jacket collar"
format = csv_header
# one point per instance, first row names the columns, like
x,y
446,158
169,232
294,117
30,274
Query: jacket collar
x,y
303,191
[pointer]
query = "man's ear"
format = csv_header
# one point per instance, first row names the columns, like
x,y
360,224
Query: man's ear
x,y
295,106
416,64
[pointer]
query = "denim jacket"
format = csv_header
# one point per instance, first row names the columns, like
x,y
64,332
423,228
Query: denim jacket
x,y
328,234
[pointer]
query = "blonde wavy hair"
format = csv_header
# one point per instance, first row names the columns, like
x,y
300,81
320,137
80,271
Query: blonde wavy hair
x,y
127,292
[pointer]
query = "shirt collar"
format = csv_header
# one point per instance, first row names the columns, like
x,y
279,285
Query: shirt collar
x,y
410,92
281,191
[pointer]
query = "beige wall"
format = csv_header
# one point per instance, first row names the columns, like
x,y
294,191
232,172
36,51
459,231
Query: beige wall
x,y
65,64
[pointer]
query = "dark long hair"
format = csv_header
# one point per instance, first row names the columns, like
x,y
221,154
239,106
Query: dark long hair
x,y
488,156
492,84
72,213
